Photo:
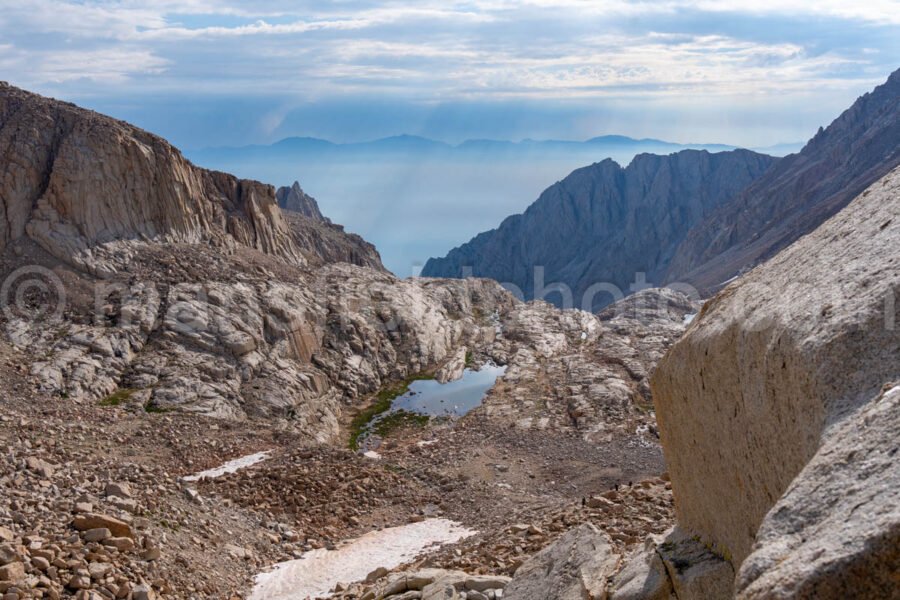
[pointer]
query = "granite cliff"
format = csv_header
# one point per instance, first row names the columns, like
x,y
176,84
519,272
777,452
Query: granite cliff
x,y
603,224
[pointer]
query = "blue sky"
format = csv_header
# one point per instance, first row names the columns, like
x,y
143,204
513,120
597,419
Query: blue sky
x,y
207,73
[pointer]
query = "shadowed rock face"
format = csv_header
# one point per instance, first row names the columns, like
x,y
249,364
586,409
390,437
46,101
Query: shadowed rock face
x,y
324,242
772,416
296,200
604,224
72,179
798,194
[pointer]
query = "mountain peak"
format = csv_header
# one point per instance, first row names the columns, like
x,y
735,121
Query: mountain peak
x,y
604,224
294,199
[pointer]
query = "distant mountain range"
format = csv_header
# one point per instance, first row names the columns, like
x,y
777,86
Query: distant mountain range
x,y
415,197
411,144
689,217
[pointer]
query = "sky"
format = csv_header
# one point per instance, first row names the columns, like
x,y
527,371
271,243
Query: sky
x,y
204,73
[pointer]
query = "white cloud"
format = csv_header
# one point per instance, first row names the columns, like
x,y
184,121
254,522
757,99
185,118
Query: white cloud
x,y
100,66
450,49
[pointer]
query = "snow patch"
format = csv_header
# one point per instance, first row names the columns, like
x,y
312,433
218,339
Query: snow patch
x,y
689,318
231,466
316,573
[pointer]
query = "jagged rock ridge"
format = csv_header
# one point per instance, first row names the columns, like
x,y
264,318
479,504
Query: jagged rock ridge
x,y
72,179
604,224
798,194
293,198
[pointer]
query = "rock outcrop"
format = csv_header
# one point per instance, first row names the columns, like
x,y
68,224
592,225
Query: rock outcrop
x,y
72,179
774,419
291,345
602,225
574,567
324,242
320,240
294,199
798,194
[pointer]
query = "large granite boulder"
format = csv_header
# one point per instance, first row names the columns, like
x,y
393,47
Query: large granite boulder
x,y
769,418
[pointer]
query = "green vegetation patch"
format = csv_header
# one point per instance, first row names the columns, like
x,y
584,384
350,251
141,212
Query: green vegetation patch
x,y
397,420
383,400
154,409
118,397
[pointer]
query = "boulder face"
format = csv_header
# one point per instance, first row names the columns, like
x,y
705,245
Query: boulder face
x,y
836,531
771,399
72,179
604,224
798,194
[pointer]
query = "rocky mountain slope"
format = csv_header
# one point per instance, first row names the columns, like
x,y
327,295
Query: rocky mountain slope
x,y
604,224
324,242
321,240
685,218
776,411
798,194
154,326
51,190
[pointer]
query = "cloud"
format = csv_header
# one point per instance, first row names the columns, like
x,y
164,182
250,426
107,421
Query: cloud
x,y
98,65
430,52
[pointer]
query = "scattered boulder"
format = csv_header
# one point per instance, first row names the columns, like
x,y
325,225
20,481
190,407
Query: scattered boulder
x,y
95,521
41,467
96,535
574,567
14,571
119,490
643,576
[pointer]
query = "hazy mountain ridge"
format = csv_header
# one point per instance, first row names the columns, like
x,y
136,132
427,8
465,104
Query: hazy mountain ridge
x,y
760,217
798,194
604,223
392,191
404,143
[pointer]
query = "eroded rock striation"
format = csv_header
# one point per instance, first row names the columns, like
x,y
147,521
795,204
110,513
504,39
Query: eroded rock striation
x,y
773,414
72,179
